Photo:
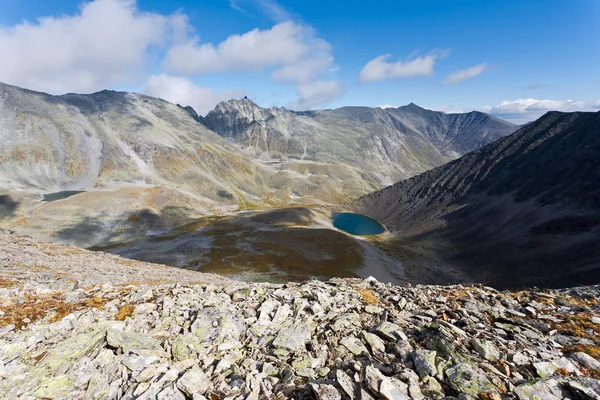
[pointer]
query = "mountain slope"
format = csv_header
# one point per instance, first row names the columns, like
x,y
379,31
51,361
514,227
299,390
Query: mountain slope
x,y
523,209
143,165
387,144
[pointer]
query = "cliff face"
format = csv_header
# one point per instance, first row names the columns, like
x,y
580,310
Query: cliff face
x,y
529,199
385,144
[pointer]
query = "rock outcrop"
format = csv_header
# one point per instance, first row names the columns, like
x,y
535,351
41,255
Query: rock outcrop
x,y
523,210
338,339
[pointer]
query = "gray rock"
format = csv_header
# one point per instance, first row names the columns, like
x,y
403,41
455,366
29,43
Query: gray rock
x,y
355,346
345,383
293,338
465,379
325,392
131,342
424,362
194,381
586,361
486,349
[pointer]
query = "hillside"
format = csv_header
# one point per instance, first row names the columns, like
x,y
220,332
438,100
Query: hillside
x,y
65,333
522,210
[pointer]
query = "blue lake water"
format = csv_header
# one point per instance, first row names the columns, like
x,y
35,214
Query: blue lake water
x,y
356,224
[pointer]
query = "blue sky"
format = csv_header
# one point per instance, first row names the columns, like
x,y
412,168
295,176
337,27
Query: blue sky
x,y
512,58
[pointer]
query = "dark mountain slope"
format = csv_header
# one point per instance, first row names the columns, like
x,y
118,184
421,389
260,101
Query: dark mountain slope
x,y
524,210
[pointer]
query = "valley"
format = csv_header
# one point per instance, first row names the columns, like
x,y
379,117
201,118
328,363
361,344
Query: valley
x,y
152,181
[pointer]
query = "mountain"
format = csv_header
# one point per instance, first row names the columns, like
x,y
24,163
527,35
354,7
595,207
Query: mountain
x,y
384,144
522,210
124,165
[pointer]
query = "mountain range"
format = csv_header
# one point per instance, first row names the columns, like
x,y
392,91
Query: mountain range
x,y
477,198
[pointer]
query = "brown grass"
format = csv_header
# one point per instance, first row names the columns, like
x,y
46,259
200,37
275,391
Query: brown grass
x,y
368,296
6,283
95,302
37,307
125,312
576,325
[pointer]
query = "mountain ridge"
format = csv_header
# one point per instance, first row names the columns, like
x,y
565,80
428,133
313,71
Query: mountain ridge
x,y
495,208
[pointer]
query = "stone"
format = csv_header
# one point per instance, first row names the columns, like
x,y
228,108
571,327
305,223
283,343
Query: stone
x,y
136,363
586,361
545,368
325,392
131,342
375,343
465,379
390,331
539,390
57,387
393,389
486,349
345,383
293,338
194,381
424,361
355,346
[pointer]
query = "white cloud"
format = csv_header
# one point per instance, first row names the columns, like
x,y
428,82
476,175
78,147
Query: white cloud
x,y
268,7
183,91
379,69
524,110
283,44
451,109
317,93
304,70
463,74
105,43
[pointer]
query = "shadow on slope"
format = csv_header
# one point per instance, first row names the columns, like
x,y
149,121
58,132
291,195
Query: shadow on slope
x,y
8,206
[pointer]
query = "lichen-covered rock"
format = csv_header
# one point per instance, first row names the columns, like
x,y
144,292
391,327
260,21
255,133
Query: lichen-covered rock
x,y
465,379
424,362
293,338
486,349
131,342
57,387
194,381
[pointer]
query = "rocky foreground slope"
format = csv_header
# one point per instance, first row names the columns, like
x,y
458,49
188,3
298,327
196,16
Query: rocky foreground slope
x,y
66,333
522,210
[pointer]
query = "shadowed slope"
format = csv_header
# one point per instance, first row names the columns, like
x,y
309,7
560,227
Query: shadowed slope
x,y
523,210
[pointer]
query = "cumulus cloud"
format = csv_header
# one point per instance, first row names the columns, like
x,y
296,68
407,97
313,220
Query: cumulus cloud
x,y
464,74
317,93
183,91
293,53
285,43
524,110
380,69
105,43
303,70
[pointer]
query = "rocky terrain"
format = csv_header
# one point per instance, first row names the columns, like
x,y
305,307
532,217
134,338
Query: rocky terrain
x,y
385,145
81,325
524,210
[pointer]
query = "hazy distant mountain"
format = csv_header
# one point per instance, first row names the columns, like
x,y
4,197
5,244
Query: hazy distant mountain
x,y
385,144
522,210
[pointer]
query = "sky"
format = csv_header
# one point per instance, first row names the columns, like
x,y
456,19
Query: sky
x,y
515,59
